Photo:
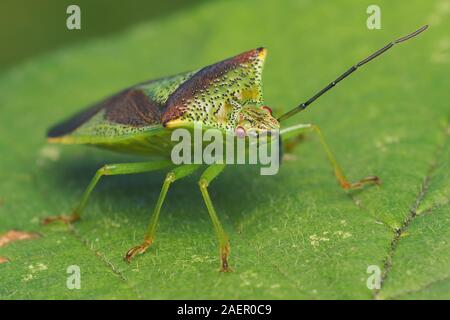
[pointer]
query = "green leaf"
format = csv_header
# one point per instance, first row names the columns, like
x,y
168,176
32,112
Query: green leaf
x,y
293,235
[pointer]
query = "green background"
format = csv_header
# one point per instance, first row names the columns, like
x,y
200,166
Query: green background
x,y
28,27
293,235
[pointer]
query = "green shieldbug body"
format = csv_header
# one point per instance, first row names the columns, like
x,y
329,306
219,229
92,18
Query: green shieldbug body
x,y
226,96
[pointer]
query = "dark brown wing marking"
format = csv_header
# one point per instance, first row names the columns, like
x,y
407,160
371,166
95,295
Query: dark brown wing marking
x,y
130,107
133,108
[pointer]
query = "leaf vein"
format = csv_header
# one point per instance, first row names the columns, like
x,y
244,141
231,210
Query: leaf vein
x,y
388,261
104,260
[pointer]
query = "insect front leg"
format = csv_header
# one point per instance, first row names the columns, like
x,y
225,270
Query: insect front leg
x,y
108,170
295,130
175,174
224,244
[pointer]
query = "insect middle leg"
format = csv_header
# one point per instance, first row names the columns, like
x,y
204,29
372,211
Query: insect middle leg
x,y
175,174
224,244
108,170
301,128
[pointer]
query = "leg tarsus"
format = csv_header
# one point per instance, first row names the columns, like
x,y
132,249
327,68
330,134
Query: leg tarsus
x,y
67,219
224,253
137,250
360,184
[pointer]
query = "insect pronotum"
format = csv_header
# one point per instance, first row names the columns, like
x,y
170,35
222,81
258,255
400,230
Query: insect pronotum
x,y
226,96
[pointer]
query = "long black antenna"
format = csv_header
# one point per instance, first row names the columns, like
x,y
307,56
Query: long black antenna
x,y
350,71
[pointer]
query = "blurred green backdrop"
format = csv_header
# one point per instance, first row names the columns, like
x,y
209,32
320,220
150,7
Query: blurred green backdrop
x,y
28,28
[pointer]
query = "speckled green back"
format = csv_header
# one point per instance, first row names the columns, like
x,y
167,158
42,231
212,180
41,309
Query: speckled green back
x,y
208,96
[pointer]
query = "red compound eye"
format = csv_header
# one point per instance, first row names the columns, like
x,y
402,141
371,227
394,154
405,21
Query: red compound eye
x,y
240,132
267,109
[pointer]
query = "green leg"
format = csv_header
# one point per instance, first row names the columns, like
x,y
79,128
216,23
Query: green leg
x,y
224,244
173,175
295,130
108,170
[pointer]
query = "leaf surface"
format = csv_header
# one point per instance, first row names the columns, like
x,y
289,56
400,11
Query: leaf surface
x,y
293,235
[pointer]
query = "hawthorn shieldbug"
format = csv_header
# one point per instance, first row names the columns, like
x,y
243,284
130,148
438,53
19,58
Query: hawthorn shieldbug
x,y
140,119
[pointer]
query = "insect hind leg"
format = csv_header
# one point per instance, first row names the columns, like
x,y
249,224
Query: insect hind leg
x,y
107,170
